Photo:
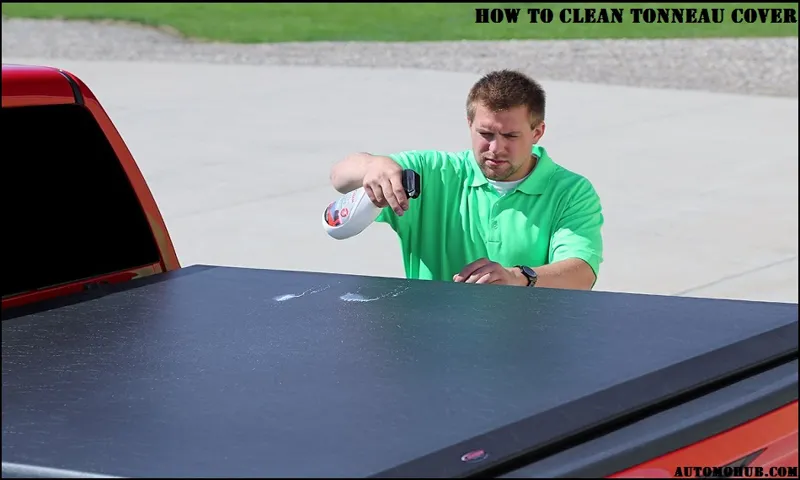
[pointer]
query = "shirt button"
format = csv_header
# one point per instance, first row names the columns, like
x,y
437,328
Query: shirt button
x,y
494,225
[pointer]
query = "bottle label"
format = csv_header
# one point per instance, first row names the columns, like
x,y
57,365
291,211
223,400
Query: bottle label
x,y
338,211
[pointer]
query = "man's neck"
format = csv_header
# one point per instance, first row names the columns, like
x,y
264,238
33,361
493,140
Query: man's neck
x,y
506,186
523,173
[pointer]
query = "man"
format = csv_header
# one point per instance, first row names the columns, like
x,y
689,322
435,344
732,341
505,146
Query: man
x,y
501,213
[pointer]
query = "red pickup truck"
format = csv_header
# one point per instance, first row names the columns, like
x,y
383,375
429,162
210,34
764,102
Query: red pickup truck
x,y
119,362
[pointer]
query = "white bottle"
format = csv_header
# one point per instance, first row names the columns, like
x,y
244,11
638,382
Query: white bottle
x,y
354,211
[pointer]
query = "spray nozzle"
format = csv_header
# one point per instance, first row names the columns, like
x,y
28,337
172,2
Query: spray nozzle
x,y
412,183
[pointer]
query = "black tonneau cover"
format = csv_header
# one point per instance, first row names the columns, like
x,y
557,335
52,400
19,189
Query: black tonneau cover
x,y
218,371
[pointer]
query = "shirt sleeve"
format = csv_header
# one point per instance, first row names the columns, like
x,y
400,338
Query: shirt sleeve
x,y
577,233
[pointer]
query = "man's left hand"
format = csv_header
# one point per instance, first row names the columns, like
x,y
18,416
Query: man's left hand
x,y
487,271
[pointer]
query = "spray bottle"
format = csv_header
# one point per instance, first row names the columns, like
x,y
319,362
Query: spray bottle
x,y
354,211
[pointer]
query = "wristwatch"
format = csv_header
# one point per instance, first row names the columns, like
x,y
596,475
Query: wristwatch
x,y
529,273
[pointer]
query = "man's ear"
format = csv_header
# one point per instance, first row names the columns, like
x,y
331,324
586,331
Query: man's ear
x,y
538,131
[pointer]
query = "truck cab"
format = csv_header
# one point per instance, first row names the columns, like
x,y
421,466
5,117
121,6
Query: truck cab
x,y
79,210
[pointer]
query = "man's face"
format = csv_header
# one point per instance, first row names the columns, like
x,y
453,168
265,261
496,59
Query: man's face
x,y
502,142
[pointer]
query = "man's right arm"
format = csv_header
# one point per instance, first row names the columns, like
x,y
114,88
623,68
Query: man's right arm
x,y
348,174
380,176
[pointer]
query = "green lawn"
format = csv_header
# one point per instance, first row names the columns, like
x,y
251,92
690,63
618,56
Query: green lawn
x,y
284,22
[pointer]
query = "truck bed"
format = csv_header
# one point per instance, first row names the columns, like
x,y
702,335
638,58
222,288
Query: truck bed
x,y
220,371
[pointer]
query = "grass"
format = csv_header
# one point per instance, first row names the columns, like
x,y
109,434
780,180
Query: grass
x,y
286,22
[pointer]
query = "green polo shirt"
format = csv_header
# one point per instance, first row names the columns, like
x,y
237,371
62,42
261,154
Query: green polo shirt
x,y
459,217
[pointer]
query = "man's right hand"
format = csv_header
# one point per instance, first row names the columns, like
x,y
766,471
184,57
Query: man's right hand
x,y
383,182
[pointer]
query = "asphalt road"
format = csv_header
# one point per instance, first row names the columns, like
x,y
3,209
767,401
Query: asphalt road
x,y
699,189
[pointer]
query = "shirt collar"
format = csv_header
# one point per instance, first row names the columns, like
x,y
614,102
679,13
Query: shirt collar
x,y
536,182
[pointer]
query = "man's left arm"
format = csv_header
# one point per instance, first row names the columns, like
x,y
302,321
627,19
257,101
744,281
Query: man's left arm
x,y
576,246
576,250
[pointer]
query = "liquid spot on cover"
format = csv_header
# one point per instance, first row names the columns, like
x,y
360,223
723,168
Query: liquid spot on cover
x,y
310,291
357,297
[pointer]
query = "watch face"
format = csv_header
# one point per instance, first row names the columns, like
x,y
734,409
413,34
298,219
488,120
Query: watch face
x,y
528,272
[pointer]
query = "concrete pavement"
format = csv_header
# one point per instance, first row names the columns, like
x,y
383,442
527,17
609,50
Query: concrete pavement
x,y
699,189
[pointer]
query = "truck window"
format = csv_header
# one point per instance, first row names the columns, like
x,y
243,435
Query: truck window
x,y
69,210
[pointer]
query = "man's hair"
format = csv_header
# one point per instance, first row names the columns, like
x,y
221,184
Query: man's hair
x,y
505,89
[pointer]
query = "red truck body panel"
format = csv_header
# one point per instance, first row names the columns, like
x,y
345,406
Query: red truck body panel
x,y
771,439
27,85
